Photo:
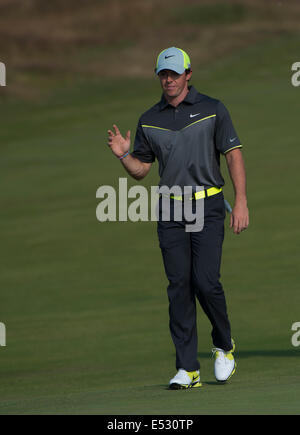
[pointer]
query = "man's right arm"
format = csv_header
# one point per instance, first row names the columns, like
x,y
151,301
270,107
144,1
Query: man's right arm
x,y
120,146
137,169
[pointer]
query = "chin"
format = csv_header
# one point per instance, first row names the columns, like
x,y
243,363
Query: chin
x,y
172,93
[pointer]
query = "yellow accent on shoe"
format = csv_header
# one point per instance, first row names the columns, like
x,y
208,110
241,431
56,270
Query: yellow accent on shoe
x,y
193,375
233,345
229,356
195,382
231,363
233,371
230,352
195,378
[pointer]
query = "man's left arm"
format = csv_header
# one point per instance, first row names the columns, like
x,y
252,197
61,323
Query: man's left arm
x,y
239,218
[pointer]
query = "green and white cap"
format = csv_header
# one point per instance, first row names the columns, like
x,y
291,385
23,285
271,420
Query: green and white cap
x,y
174,59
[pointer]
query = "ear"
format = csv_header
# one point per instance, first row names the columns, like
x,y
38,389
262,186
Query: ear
x,y
189,73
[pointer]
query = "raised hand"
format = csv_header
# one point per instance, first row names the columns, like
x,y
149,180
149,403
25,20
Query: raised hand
x,y
117,143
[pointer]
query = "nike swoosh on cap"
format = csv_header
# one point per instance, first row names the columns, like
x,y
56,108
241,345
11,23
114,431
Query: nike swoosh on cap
x,y
193,115
171,55
231,140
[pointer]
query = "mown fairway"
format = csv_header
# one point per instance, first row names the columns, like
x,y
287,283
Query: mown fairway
x,y
84,303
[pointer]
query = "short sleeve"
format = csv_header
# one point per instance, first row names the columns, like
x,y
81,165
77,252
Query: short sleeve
x,y
141,148
226,138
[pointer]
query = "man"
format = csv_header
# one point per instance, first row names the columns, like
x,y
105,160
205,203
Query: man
x,y
187,131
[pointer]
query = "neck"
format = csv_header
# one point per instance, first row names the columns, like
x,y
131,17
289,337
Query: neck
x,y
175,101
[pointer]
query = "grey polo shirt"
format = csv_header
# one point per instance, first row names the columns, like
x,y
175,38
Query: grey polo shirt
x,y
187,140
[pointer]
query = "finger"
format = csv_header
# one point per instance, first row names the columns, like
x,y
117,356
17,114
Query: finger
x,y
237,230
236,227
116,129
111,133
231,221
241,226
245,223
128,135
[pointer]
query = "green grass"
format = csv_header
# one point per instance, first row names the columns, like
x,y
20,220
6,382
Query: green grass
x,y
85,303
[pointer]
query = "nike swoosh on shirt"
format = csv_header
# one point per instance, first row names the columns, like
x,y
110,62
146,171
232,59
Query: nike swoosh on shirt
x,y
193,115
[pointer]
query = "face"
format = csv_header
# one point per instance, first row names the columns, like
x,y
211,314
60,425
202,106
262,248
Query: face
x,y
172,83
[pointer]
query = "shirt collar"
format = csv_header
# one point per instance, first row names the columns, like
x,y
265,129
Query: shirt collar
x,y
191,98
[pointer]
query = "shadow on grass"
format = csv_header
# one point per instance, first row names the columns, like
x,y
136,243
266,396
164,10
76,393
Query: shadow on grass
x,y
166,387
286,353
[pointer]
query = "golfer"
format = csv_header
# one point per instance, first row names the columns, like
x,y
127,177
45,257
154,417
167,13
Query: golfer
x,y
187,131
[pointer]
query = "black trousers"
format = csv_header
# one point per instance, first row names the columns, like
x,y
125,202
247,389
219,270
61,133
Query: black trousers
x,y
192,264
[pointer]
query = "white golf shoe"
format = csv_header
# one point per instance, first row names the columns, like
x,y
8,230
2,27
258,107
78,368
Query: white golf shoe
x,y
225,364
184,379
